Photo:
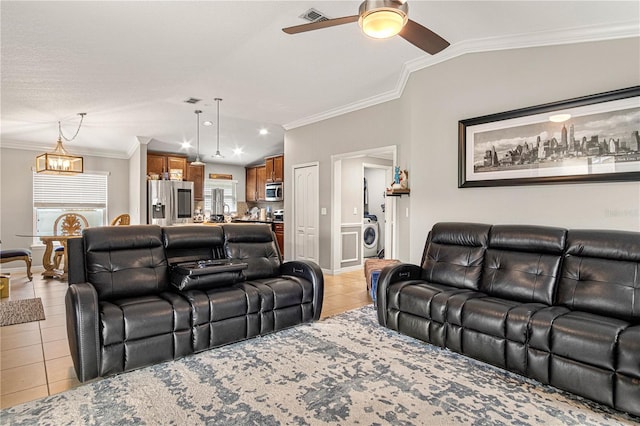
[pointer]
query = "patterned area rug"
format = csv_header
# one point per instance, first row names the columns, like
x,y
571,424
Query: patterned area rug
x,y
19,311
344,370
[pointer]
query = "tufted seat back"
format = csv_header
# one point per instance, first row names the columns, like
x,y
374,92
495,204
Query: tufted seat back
x,y
601,274
523,262
253,244
125,261
454,254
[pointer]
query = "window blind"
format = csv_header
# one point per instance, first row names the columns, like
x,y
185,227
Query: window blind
x,y
86,189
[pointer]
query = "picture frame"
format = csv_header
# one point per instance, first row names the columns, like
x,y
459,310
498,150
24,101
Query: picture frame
x,y
593,138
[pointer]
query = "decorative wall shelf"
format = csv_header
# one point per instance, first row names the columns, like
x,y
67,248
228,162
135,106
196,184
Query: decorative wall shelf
x,y
398,192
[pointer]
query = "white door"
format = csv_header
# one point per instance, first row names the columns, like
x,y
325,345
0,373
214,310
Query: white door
x,y
305,210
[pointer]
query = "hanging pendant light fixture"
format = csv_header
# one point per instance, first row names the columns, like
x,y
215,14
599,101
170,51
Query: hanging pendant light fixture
x,y
217,154
59,161
197,162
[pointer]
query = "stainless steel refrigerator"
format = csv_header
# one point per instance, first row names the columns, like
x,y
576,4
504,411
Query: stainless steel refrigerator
x,y
170,202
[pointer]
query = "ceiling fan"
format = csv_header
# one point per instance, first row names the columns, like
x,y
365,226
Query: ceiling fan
x,y
383,19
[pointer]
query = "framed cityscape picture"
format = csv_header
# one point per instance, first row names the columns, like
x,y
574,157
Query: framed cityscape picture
x,y
589,139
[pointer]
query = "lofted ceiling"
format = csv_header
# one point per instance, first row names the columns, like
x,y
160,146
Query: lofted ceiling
x,y
131,65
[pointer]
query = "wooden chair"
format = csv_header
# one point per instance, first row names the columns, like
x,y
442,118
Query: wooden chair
x,y
67,224
123,219
13,255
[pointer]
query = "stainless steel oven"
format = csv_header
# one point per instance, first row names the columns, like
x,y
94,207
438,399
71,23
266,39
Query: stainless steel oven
x,y
274,192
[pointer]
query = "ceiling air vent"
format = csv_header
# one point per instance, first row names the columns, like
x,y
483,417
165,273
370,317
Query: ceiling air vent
x,y
192,100
314,15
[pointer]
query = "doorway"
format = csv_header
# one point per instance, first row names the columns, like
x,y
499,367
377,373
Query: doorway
x,y
348,207
377,177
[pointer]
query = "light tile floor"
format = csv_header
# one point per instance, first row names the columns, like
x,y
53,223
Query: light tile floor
x,y
34,356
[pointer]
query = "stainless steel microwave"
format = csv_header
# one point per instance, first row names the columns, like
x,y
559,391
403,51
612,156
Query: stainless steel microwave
x,y
273,192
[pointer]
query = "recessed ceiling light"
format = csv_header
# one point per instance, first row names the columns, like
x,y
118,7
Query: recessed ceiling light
x,y
237,151
186,145
208,123
559,118
264,132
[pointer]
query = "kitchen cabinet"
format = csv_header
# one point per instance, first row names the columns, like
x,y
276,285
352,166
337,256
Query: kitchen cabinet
x,y
278,229
158,163
251,193
255,181
195,174
274,169
260,182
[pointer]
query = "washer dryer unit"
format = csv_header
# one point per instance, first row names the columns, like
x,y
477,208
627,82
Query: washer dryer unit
x,y
370,236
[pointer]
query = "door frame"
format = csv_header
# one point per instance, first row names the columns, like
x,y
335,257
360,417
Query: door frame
x,y
389,216
336,201
316,216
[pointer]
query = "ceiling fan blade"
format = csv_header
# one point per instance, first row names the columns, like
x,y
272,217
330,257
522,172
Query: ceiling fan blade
x,y
423,37
321,24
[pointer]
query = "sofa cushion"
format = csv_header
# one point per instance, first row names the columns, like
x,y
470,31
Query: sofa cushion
x,y
144,330
588,338
125,261
253,244
454,254
601,274
522,263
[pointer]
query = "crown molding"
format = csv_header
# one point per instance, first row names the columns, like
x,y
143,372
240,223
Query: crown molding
x,y
518,41
12,144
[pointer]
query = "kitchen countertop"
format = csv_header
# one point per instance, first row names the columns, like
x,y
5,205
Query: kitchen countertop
x,y
240,220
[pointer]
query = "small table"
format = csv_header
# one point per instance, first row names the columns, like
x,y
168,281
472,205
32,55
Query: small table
x,y
48,240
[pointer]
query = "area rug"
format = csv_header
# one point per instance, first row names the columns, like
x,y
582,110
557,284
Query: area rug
x,y
19,311
344,370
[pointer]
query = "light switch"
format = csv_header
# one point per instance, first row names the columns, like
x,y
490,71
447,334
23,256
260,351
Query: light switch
x,y
406,213
355,210
323,211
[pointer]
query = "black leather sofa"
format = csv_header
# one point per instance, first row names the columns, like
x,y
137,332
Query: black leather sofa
x,y
140,295
559,306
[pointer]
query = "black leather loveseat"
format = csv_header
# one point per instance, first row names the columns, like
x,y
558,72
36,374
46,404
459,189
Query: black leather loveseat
x,y
140,295
559,306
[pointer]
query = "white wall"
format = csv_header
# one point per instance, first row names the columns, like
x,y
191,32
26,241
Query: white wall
x,y
16,193
424,125
376,127
480,84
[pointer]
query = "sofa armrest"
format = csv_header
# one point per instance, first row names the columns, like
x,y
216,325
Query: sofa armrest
x,y
389,275
311,272
83,314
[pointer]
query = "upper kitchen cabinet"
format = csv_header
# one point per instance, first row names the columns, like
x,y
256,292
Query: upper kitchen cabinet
x,y
255,181
274,169
195,174
159,163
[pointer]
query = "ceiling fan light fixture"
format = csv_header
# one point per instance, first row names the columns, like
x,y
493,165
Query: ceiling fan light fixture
x,y
382,23
383,18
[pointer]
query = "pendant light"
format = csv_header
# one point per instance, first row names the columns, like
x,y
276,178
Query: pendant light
x,y
59,161
197,162
217,154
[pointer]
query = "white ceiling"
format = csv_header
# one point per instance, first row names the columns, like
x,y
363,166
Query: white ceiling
x,y
130,65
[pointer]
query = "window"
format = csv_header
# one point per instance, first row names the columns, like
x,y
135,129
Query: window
x,y
230,197
54,195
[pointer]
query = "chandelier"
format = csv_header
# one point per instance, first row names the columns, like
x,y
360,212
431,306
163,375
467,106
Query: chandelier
x,y
59,161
